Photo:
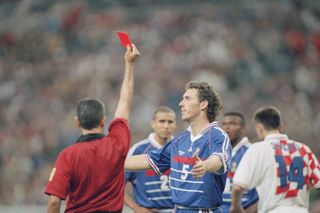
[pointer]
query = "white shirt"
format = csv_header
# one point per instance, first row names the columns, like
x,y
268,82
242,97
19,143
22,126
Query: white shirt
x,y
275,167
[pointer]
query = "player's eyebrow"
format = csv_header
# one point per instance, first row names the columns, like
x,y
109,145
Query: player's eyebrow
x,y
166,120
186,97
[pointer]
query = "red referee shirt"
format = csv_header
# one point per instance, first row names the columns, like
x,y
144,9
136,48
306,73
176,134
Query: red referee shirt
x,y
91,172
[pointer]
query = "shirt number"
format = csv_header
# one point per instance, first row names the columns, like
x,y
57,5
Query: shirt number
x,y
295,174
164,182
185,171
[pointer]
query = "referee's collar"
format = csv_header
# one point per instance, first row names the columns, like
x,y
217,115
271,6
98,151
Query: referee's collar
x,y
90,137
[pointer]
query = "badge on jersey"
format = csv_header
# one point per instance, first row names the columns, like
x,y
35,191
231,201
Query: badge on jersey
x,y
52,174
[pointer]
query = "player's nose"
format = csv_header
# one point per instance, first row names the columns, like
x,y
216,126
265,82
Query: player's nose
x,y
181,103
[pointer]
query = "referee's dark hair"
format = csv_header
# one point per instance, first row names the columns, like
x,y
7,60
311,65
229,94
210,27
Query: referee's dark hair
x,y
90,113
269,117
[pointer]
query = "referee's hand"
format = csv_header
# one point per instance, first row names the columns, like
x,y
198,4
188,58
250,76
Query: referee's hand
x,y
131,54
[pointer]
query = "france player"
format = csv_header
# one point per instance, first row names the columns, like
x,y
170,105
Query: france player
x,y
151,192
281,169
198,158
234,125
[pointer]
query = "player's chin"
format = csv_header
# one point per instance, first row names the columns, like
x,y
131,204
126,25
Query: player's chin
x,y
165,134
184,117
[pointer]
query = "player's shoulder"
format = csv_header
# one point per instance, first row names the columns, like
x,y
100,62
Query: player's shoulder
x,y
301,146
217,133
181,135
139,147
259,145
243,147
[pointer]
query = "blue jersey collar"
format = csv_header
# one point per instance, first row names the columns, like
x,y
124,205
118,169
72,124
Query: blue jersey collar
x,y
244,141
203,131
153,141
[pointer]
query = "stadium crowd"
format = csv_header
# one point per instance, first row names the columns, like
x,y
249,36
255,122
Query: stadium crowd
x,y
53,54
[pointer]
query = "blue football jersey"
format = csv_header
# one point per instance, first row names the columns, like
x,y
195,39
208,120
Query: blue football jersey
x,y
249,197
149,189
205,192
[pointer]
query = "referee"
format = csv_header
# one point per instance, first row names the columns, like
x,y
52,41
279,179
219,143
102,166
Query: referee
x,y
90,173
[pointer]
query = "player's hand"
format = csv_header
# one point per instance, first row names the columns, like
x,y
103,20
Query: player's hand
x,y
253,208
199,168
236,209
131,54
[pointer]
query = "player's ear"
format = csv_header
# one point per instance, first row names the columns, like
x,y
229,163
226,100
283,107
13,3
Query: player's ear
x,y
204,105
260,131
77,121
242,131
281,128
152,124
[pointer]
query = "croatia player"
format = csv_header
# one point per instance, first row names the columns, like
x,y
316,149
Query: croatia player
x,y
90,173
281,169
234,125
151,192
198,158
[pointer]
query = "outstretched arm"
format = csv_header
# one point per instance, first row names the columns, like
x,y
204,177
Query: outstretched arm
x,y
126,92
137,162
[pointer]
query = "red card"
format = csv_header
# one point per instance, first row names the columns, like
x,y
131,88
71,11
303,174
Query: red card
x,y
124,39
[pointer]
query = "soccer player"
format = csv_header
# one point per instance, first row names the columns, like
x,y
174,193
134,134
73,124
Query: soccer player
x,y
280,168
198,158
90,173
234,125
151,192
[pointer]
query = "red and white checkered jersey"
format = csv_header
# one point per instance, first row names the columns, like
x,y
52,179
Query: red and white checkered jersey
x,y
281,170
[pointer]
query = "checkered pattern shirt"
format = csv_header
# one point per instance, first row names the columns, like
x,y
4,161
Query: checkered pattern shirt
x,y
281,170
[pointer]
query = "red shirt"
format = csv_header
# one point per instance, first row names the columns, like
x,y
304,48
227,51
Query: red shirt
x,y
91,172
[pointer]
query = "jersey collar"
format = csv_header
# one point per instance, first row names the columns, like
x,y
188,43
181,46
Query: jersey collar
x,y
202,132
90,137
243,142
153,140
276,136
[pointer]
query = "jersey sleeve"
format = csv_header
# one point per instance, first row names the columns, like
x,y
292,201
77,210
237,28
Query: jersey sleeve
x,y
60,178
159,159
119,130
130,176
248,173
220,146
250,197
314,170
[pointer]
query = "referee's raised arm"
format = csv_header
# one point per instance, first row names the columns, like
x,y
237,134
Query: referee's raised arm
x,y
126,91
